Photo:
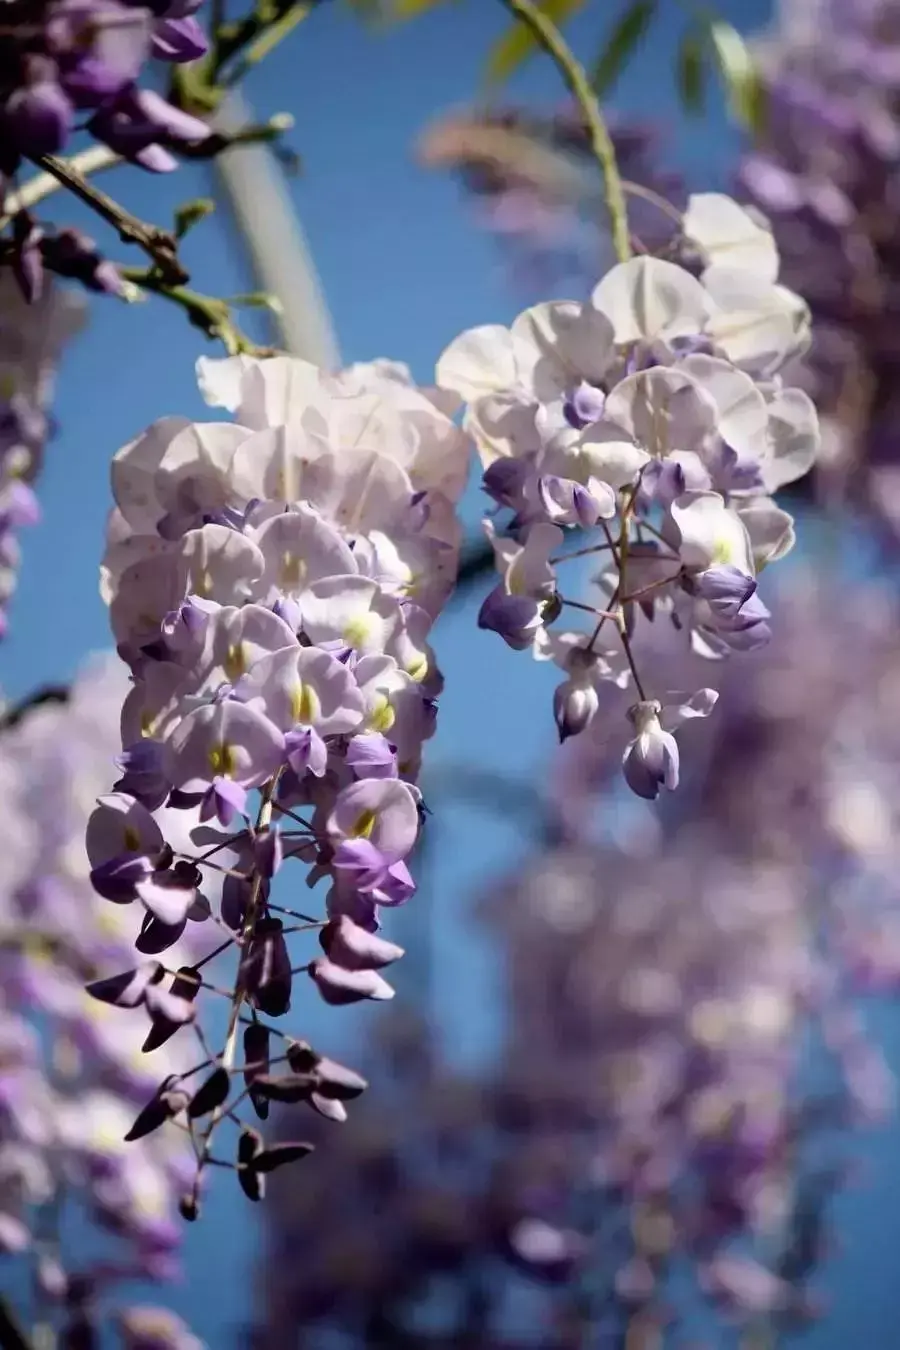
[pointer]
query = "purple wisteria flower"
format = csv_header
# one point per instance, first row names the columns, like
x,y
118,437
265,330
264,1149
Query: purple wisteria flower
x,y
826,171
272,582
31,340
76,62
68,1095
664,1121
654,421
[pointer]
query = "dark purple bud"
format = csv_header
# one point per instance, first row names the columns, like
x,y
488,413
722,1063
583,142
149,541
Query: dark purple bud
x,y
289,1088
250,1146
118,878
179,40
267,968
159,1109
575,704
338,1083
256,1063
37,118
506,481
338,986
236,893
189,1208
138,122
128,989
71,253
277,1155
211,1094
173,1009
586,405
347,944
156,937
301,1056
651,759
515,617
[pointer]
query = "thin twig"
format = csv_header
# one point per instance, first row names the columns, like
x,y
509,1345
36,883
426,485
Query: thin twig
x,y
99,159
575,76
206,312
158,244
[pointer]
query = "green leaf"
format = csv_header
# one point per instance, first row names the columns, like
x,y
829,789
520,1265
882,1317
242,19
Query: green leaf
x,y
742,79
190,214
519,43
623,39
691,74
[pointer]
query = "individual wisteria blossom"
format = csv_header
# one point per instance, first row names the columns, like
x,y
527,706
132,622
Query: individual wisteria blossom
x,y
75,1070
825,171
683,1056
651,422
76,63
272,581
31,340
534,183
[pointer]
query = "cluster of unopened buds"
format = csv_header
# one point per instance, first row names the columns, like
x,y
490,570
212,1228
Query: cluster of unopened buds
x,y
652,424
272,582
68,60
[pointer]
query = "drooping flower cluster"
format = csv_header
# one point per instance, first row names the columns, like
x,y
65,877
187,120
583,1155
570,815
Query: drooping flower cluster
x,y
662,1112
535,184
77,62
271,584
653,423
73,1071
31,339
826,170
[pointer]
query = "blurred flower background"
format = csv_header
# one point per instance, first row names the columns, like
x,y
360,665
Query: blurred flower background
x,y
637,1087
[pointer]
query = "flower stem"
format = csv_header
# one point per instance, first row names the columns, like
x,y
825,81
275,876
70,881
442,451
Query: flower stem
x,y
575,76
206,312
159,245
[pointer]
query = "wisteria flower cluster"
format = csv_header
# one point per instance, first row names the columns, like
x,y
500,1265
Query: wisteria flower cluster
x,y
73,1072
31,340
665,1123
70,58
534,183
272,582
654,424
825,170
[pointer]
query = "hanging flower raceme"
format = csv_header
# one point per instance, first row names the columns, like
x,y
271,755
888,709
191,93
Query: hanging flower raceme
x,y
70,1091
31,339
652,421
272,582
534,183
825,170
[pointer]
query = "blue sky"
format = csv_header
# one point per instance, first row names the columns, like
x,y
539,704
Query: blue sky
x,y
404,270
